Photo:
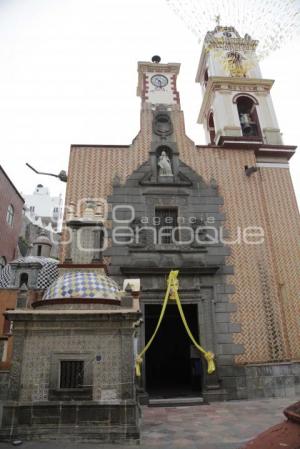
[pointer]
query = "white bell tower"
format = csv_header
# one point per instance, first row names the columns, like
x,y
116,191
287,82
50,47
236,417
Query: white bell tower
x,y
237,105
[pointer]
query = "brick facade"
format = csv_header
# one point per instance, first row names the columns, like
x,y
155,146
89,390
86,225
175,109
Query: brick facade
x,y
9,233
266,277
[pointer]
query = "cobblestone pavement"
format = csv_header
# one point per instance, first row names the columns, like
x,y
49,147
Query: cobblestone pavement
x,y
223,425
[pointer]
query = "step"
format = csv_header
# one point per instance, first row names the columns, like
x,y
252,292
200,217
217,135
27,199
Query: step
x,y
215,395
175,402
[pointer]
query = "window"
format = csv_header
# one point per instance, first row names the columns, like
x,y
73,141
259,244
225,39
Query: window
x,y
166,221
39,250
2,262
32,209
205,77
55,210
23,279
10,215
71,377
71,373
211,128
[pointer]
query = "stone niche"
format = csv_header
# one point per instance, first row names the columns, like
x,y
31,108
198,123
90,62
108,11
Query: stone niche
x,y
97,346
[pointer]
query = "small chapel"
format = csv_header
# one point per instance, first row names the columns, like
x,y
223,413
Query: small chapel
x,y
223,215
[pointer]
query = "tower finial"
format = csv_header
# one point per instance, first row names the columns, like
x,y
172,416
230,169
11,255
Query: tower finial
x,y
156,59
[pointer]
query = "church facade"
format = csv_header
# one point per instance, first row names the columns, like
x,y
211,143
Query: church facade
x,y
224,214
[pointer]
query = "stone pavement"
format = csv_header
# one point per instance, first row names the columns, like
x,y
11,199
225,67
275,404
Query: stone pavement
x,y
223,425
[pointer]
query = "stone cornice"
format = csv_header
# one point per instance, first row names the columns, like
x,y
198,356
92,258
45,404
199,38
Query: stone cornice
x,y
74,315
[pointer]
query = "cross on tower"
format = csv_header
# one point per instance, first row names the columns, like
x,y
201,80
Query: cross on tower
x,y
218,19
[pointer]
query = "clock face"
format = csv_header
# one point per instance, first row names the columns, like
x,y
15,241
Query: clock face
x,y
159,81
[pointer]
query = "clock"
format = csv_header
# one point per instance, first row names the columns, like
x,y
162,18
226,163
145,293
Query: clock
x,y
159,81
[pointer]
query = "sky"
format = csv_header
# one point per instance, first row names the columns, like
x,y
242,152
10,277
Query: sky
x,y
69,75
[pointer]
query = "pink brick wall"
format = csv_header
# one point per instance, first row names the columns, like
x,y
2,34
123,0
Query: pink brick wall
x,y
9,234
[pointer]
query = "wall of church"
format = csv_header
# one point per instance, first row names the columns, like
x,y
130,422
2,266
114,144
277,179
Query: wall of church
x,y
256,284
265,321
284,231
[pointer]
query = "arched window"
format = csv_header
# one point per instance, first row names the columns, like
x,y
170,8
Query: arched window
x,y
2,262
205,77
10,215
23,279
211,128
248,116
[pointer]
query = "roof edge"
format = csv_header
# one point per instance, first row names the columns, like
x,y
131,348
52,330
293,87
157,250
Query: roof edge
x,y
84,145
12,184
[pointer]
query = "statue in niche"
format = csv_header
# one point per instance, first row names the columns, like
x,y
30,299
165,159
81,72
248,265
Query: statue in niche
x,y
164,164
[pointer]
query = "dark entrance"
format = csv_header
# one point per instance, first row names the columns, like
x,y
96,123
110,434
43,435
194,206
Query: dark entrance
x,y
173,365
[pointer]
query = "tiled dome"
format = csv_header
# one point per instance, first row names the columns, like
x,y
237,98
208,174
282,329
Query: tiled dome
x,y
83,285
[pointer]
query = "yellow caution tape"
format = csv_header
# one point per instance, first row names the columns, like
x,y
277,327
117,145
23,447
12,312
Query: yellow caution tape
x,y
172,294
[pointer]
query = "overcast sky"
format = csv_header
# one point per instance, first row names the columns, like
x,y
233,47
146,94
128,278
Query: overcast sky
x,y
68,76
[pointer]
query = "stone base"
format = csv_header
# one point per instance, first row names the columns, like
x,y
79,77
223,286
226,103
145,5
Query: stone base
x,y
218,395
4,382
273,380
263,380
80,421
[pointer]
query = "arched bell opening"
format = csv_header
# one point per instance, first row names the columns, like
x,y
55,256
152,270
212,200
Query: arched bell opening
x,y
248,116
211,128
205,77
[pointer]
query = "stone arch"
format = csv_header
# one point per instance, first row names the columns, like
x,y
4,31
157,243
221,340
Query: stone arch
x,y
242,94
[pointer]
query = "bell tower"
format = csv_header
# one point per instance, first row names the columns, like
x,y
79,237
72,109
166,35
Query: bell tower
x,y
237,105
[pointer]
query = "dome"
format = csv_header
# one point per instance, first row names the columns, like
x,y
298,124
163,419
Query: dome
x,y
83,285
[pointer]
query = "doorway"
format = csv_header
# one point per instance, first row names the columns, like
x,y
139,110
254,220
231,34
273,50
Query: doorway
x,y
173,364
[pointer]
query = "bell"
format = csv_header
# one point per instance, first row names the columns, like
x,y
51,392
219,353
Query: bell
x,y
246,124
247,129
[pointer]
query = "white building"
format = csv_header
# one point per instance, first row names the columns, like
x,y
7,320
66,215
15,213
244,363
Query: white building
x,y
46,209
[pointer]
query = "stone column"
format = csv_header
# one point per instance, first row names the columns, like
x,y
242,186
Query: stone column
x,y
98,241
